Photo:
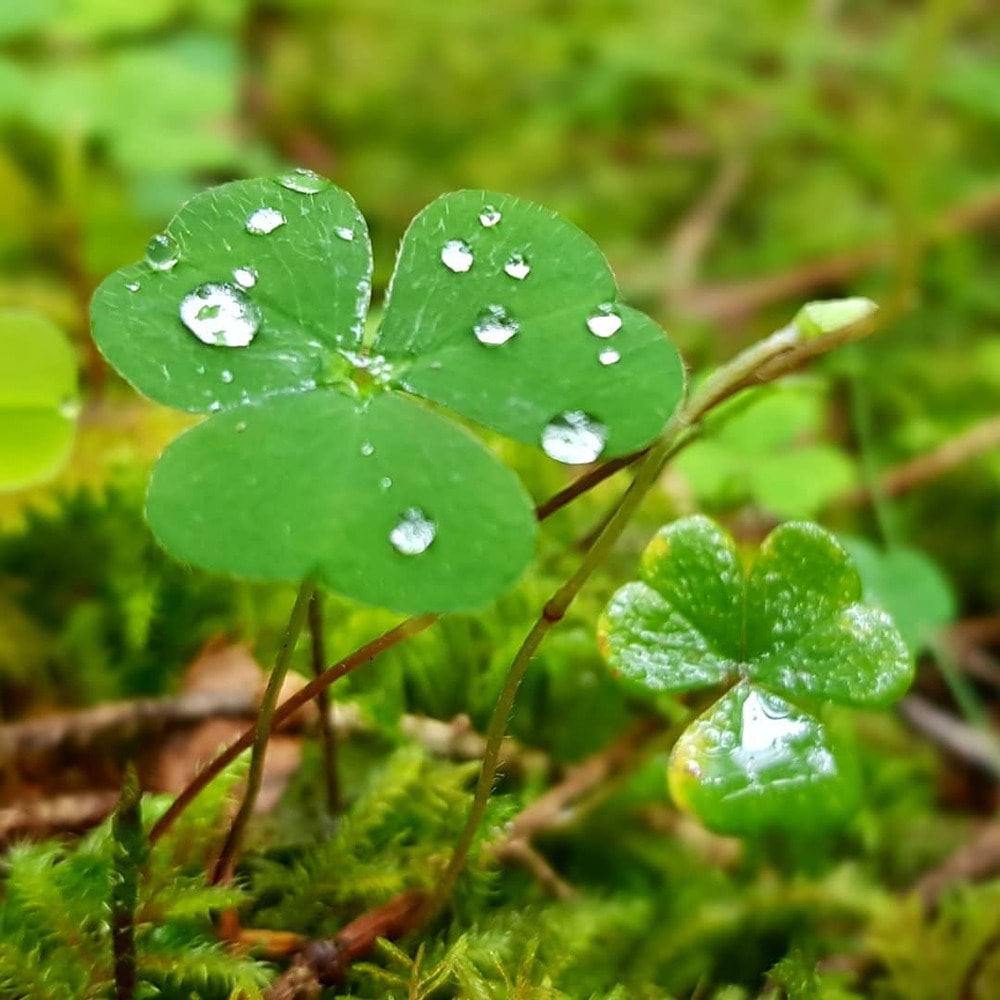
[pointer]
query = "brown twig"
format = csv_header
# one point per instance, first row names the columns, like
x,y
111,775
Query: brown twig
x,y
977,746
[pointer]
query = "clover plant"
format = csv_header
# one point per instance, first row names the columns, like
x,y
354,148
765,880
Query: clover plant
x,y
326,453
38,399
778,642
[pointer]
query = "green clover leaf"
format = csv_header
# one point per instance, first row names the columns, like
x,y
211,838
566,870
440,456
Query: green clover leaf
x,y
320,455
38,399
782,639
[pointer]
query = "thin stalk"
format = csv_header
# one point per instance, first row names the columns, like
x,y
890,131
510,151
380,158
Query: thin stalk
x,y
262,730
327,734
130,849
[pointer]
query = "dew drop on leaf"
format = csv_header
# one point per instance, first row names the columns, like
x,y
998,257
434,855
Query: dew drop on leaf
x,y
495,326
132,286
264,220
162,252
227,376
367,448
489,216
345,233
517,267
456,256
413,533
221,315
605,322
609,357
245,276
385,483
302,181
574,438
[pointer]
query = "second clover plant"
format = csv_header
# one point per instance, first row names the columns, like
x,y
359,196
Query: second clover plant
x,y
779,642
330,455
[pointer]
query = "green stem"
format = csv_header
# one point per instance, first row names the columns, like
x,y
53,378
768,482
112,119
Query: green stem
x,y
327,734
130,849
262,730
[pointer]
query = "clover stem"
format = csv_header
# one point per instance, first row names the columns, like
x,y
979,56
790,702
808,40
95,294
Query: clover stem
x,y
262,729
327,734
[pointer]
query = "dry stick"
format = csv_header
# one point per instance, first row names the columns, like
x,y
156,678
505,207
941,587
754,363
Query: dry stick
x,y
776,355
976,440
327,733
262,730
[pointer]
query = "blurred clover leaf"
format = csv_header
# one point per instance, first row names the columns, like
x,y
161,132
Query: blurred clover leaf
x,y
38,399
764,450
908,584
320,456
781,640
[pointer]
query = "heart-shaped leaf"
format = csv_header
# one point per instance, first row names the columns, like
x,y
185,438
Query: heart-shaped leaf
x,y
754,762
792,633
316,459
38,399
508,314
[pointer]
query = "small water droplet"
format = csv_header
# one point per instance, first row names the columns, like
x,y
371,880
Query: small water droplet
x,y
227,376
489,216
214,406
385,483
132,286
221,315
413,533
264,220
517,267
241,427
574,438
605,322
162,252
303,181
246,276
495,326
456,256
367,448
345,233
69,408
609,357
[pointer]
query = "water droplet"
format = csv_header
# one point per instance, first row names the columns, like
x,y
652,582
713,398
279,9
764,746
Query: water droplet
x,y
227,376
214,406
132,286
162,252
413,533
221,315
246,276
303,181
367,448
605,322
385,483
456,256
69,408
264,220
574,438
495,326
517,267
345,233
489,216
241,427
609,357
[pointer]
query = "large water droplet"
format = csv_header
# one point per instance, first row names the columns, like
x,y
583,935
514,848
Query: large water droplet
x,y
574,438
517,267
605,322
162,252
609,357
303,181
495,326
344,233
264,220
221,315
489,216
413,533
245,276
456,256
